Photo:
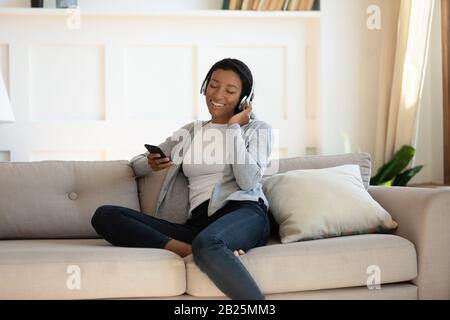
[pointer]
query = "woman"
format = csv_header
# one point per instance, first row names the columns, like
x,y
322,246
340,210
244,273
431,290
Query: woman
x,y
228,212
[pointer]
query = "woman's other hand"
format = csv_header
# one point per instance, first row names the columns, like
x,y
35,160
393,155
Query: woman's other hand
x,y
157,163
242,117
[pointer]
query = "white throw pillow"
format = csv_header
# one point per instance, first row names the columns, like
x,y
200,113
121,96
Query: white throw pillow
x,y
321,203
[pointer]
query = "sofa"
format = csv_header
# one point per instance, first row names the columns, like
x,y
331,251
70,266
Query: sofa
x,y
49,250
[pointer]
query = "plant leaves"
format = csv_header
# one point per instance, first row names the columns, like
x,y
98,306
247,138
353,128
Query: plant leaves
x,y
391,169
403,178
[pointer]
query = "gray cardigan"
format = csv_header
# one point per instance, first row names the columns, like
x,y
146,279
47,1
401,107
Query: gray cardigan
x,y
241,179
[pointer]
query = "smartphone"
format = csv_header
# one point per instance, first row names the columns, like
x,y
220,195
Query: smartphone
x,y
155,149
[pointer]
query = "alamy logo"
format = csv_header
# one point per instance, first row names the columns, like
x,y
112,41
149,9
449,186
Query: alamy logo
x,y
73,21
215,146
374,280
73,282
374,19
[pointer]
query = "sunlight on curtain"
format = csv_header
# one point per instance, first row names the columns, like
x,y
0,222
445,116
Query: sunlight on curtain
x,y
397,118
416,52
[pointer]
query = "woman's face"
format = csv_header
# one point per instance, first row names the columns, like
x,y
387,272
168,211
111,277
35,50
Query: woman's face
x,y
222,94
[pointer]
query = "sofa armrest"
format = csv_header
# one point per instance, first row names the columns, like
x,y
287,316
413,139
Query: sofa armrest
x,y
423,216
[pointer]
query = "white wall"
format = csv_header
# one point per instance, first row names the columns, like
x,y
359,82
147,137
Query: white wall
x,y
350,55
101,91
351,64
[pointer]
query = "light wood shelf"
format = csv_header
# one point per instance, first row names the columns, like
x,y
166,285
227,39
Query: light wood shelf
x,y
181,14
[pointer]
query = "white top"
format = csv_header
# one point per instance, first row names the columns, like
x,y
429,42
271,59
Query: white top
x,y
204,162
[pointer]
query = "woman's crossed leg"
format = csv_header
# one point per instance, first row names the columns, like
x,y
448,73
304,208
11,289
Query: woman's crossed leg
x,y
126,227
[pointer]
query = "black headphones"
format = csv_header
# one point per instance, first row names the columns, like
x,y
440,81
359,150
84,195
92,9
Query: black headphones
x,y
244,100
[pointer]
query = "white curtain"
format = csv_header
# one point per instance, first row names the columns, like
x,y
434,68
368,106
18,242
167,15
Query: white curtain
x,y
396,122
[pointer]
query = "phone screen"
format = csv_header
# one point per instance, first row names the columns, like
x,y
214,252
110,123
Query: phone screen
x,y
155,149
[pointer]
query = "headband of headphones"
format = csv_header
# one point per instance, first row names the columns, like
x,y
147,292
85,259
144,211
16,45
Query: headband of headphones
x,y
241,75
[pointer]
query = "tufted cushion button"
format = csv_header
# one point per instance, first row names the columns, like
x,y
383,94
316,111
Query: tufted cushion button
x,y
73,195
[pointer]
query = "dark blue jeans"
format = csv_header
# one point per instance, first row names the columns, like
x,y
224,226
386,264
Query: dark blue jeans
x,y
237,225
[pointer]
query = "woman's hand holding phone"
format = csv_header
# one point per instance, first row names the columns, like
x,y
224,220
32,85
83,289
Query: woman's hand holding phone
x,y
241,118
157,163
157,160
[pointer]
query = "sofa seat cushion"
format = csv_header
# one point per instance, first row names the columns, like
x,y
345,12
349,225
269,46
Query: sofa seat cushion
x,y
319,264
87,269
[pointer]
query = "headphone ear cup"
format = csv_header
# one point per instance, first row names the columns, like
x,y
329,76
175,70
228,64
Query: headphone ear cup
x,y
204,85
202,90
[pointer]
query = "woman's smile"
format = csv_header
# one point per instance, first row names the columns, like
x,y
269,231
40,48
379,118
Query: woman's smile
x,y
217,104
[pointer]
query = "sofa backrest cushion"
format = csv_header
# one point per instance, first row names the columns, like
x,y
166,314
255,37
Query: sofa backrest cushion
x,y
321,203
150,185
56,199
362,159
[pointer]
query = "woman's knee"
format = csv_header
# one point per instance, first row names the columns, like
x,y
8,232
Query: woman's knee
x,y
102,215
204,241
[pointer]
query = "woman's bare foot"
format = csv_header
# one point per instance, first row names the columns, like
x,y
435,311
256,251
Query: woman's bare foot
x,y
181,248
239,252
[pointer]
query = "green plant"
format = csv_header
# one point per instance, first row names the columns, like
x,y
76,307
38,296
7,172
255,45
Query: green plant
x,y
390,174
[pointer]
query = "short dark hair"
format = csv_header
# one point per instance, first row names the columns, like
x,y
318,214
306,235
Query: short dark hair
x,y
237,66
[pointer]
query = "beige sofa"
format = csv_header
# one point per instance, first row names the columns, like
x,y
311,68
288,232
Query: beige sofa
x,y
49,250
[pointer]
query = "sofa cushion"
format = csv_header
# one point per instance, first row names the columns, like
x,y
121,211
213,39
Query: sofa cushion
x,y
361,159
87,269
322,203
150,185
56,199
318,264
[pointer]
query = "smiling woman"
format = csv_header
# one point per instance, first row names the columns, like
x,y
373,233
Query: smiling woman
x,y
228,88
228,211
222,95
